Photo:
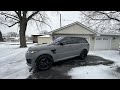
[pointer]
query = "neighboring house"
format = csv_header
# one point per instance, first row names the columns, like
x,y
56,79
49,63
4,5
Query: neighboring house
x,y
4,36
35,38
45,39
96,40
11,39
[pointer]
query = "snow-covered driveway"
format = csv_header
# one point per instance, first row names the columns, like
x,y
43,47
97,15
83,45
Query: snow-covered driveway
x,y
12,61
99,71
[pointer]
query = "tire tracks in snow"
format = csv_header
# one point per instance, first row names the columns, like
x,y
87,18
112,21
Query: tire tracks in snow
x,y
10,58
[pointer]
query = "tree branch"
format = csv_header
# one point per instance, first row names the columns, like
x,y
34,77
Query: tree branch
x,y
9,25
6,15
24,14
93,18
13,24
109,16
4,24
3,13
18,14
11,18
41,22
32,15
37,20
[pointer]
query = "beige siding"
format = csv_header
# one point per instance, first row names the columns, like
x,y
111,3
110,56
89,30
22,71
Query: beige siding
x,y
42,40
75,29
115,43
92,42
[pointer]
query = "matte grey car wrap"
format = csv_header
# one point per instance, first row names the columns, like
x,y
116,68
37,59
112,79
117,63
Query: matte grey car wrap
x,y
38,51
57,51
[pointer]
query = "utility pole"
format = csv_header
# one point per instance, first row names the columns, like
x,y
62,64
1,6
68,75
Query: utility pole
x,y
60,20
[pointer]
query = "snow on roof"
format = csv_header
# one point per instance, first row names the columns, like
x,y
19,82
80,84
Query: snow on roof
x,y
45,36
37,34
111,34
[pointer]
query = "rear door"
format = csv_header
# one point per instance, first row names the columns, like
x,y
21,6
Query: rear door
x,y
78,45
64,51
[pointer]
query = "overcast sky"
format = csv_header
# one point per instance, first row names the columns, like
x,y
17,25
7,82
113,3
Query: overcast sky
x,y
67,18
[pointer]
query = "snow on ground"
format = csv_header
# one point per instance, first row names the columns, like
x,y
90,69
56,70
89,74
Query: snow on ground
x,y
94,72
112,55
13,64
98,71
12,61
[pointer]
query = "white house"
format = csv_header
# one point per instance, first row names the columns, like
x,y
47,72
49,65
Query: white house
x,y
96,40
45,39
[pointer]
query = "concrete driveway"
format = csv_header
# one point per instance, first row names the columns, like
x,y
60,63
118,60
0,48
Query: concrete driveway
x,y
59,70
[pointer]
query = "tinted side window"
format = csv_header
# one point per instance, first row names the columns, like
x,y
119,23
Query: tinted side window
x,y
67,40
57,40
83,40
73,40
78,40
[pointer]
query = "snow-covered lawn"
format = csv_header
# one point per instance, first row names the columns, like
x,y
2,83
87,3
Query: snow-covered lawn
x,y
12,61
98,71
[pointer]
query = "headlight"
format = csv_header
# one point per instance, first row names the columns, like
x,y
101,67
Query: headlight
x,y
31,52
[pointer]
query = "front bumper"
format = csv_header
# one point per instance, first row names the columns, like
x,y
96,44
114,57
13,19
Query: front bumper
x,y
29,59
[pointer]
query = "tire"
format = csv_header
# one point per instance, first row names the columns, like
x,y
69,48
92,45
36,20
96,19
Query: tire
x,y
44,62
83,54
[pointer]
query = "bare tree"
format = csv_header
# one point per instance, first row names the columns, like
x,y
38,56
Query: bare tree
x,y
44,32
1,39
12,34
102,20
21,18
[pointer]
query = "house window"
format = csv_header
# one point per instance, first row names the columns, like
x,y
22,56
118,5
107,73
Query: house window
x,y
98,38
105,38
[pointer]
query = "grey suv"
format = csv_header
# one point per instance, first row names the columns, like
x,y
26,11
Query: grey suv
x,y
43,56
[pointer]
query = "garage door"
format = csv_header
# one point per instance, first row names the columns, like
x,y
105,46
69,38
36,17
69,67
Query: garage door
x,y
102,43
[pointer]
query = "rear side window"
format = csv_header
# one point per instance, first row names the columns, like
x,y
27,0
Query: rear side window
x,y
79,40
83,40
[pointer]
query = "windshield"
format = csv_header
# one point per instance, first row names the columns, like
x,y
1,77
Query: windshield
x,y
56,41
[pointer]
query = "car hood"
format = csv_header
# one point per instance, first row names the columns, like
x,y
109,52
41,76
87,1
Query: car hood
x,y
39,47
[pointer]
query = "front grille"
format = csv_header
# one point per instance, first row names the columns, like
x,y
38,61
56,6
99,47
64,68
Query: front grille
x,y
29,61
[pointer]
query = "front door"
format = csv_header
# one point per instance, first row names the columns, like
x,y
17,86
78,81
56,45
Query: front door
x,y
64,51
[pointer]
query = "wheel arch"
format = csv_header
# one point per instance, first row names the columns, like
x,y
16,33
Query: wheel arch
x,y
42,55
83,51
